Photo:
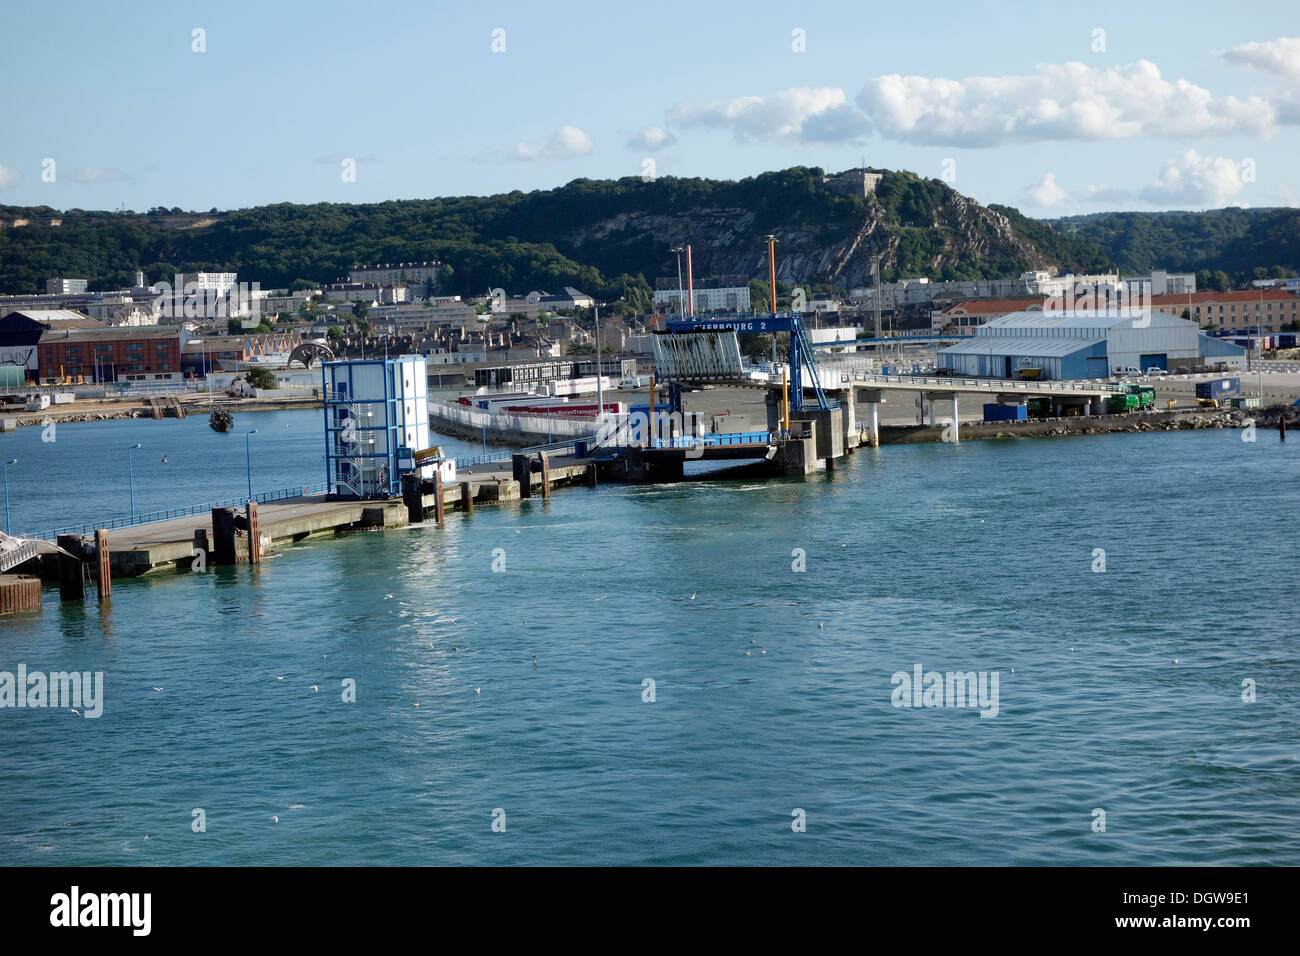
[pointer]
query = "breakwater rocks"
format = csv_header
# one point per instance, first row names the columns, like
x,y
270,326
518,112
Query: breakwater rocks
x,y
1045,428
1273,415
50,415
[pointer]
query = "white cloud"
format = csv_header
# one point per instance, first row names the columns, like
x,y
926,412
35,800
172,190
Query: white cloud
x,y
1046,194
1193,180
1280,56
797,115
565,143
1072,101
92,174
9,177
651,138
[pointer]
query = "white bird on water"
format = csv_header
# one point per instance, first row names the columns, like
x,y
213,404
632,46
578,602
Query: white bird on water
x,y
478,690
158,689
281,677
315,689
275,819
75,711
387,597
692,597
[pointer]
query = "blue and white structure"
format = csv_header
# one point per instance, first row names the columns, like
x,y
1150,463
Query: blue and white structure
x,y
1084,345
376,419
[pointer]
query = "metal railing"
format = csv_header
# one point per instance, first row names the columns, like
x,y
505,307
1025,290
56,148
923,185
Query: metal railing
x,y
500,456
987,384
152,516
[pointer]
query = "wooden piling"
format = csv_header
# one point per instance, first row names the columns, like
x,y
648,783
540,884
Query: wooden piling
x,y
201,545
223,535
104,566
439,506
254,534
413,497
1281,427
19,592
591,474
546,474
466,497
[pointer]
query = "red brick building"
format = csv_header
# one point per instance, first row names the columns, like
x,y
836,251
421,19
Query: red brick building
x,y
110,354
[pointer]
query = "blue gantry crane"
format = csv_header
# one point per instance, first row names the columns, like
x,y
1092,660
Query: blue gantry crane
x,y
801,358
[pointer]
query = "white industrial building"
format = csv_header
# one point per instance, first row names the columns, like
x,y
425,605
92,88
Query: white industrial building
x,y
1085,344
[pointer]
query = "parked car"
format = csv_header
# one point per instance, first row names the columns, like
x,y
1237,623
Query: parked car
x,y
1127,370
1156,370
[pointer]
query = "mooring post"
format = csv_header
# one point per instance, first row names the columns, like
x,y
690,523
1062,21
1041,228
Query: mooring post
x,y
254,534
591,474
201,546
72,572
467,497
438,493
223,535
105,569
413,497
546,474
1281,427
523,472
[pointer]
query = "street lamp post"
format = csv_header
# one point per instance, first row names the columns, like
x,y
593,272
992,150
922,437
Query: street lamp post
x,y
130,476
248,460
11,461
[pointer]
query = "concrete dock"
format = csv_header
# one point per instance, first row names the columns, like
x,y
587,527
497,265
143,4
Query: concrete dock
x,y
176,543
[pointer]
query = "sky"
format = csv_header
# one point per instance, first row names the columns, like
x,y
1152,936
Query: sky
x,y
1054,109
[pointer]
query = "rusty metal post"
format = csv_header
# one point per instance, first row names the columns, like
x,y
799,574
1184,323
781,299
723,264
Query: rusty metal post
x,y
439,506
466,497
254,535
102,557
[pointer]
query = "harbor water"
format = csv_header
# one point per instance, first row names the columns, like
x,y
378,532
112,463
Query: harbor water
x,y
682,674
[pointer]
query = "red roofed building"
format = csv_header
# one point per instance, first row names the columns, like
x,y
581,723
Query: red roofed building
x,y
1268,309
966,316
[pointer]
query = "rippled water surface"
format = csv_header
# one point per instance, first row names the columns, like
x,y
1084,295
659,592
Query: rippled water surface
x,y
977,557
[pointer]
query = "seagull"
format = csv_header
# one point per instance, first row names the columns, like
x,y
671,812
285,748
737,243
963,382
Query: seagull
x,y
821,626
692,597
602,597
417,705
158,688
275,819
1175,661
315,689
455,647
1072,650
534,657
762,652
146,836
751,641
164,461
387,597
478,690
1013,670
517,531
281,677
746,653
75,711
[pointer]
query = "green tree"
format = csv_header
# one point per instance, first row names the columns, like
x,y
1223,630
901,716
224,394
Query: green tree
x,y
334,333
260,377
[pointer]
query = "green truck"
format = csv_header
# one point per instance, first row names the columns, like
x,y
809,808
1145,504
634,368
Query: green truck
x,y
1137,397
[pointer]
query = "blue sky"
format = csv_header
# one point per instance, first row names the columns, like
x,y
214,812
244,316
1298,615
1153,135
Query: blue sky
x,y
1170,106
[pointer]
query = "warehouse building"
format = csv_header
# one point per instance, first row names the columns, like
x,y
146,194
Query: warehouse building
x,y
1084,344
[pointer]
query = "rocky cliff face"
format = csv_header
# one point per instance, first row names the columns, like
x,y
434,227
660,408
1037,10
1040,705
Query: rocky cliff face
x,y
957,233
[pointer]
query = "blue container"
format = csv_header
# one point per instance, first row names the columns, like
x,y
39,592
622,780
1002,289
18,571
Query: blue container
x,y
1005,413
1219,388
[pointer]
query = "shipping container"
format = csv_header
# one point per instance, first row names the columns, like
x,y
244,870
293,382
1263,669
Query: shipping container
x,y
1219,388
994,412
